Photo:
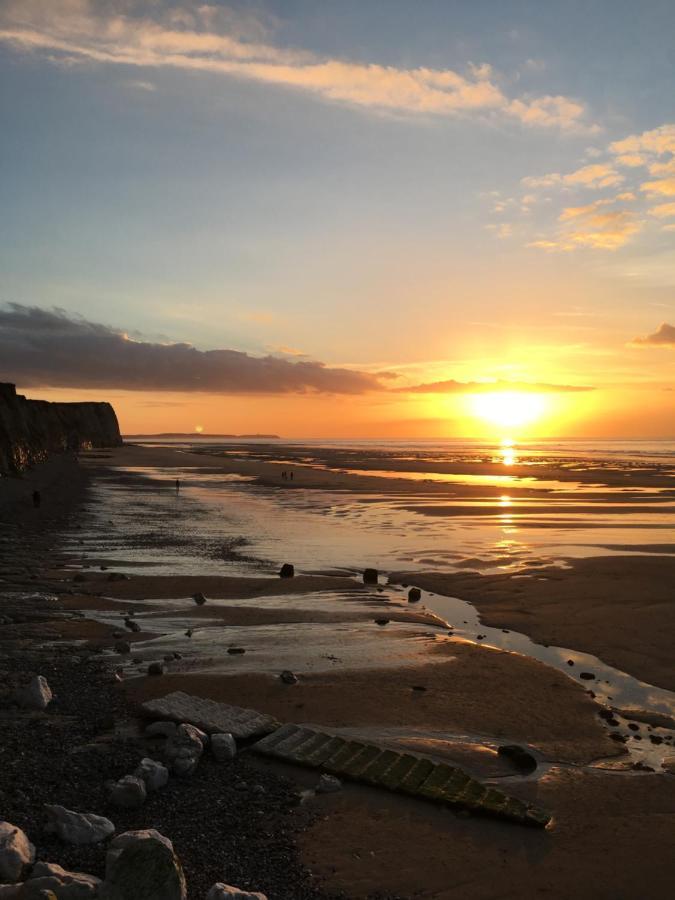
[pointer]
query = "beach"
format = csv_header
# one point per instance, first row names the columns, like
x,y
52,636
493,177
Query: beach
x,y
544,620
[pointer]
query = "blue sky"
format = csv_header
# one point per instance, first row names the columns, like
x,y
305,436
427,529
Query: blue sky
x,y
437,188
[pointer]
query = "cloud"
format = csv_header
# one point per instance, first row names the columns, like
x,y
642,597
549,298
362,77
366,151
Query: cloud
x,y
655,142
595,175
664,336
52,348
472,387
663,187
204,38
663,211
594,226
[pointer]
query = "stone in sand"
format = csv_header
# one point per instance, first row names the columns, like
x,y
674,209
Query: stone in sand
x,y
223,747
122,647
370,576
50,877
35,695
199,598
519,756
152,773
131,625
287,571
587,676
77,828
288,677
222,891
381,621
128,793
156,668
210,716
328,784
414,595
142,864
16,851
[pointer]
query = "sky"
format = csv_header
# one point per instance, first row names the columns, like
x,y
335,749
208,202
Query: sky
x,y
378,219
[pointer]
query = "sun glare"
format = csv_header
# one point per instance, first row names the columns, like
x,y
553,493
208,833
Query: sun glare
x,y
509,409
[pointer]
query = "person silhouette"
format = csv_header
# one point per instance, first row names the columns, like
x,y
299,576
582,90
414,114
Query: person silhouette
x,y
177,484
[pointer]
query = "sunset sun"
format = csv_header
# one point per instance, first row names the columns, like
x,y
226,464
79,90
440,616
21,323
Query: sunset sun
x,y
508,409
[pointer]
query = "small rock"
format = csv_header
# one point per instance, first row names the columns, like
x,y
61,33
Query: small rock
x,y
156,668
570,662
381,621
519,756
287,571
370,576
183,751
16,851
129,792
414,595
142,864
328,784
223,747
152,773
77,828
189,632
587,676
132,626
235,651
35,695
288,677
122,647
221,891
161,729
199,598
49,879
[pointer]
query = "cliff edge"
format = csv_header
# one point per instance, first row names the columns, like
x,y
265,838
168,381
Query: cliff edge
x,y
30,430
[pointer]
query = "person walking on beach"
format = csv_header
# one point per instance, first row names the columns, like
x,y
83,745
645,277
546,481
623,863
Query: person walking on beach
x,y
177,484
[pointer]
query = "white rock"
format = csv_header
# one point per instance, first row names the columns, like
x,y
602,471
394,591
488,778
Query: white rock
x,y
222,891
142,864
65,885
161,729
328,784
16,851
153,773
129,792
35,695
77,828
223,747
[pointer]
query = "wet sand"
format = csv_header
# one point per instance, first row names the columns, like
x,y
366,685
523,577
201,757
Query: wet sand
x,y
611,832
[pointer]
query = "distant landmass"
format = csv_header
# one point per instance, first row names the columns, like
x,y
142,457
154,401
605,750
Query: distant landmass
x,y
191,435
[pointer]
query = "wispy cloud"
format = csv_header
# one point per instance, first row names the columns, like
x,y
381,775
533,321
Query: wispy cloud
x,y
595,175
51,348
595,225
451,386
202,38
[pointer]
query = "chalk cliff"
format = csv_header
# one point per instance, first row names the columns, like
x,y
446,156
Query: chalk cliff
x,y
30,430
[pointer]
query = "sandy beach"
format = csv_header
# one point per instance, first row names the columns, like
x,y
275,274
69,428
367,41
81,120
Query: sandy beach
x,y
412,676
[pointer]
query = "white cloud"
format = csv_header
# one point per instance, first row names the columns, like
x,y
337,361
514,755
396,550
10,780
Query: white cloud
x,y
207,39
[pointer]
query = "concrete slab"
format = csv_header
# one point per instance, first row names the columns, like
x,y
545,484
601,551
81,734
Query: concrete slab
x,y
210,716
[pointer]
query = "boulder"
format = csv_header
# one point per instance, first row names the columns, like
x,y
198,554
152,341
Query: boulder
x,y
183,751
35,695
64,885
328,784
414,595
16,851
223,747
287,571
142,864
222,891
153,774
370,576
77,828
129,792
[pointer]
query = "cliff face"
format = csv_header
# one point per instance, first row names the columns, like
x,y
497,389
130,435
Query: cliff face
x,y
32,429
